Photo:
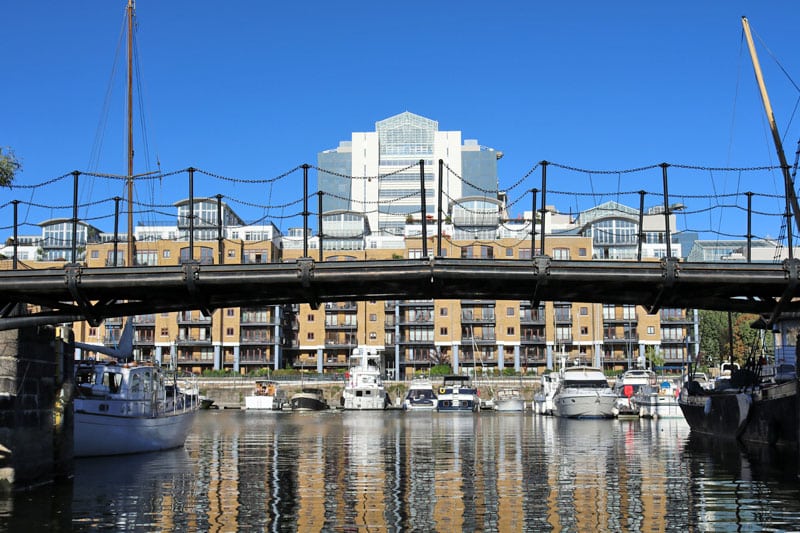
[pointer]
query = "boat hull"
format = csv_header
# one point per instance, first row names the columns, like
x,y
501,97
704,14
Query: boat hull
x,y
584,405
266,403
659,406
767,415
364,399
307,402
467,404
97,434
509,405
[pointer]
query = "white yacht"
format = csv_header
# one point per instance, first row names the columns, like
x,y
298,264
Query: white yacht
x,y
509,399
267,395
627,386
420,396
583,393
363,383
543,399
659,401
130,408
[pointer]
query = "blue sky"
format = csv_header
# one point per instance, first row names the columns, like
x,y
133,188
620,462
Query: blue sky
x,y
250,89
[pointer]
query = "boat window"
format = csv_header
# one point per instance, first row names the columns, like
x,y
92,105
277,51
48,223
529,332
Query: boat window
x,y
112,380
136,383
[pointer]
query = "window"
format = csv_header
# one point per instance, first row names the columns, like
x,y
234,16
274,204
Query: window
x,y
229,332
510,330
509,252
584,311
310,335
443,331
509,311
561,253
95,254
165,254
165,332
582,252
524,253
442,311
310,318
373,335
93,332
584,330
231,253
229,311
651,330
373,317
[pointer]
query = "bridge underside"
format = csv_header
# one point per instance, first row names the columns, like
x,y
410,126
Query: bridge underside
x,y
79,293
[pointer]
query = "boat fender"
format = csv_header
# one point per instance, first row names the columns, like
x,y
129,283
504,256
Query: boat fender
x,y
442,390
744,402
707,407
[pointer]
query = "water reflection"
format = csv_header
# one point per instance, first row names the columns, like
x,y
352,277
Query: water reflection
x,y
394,471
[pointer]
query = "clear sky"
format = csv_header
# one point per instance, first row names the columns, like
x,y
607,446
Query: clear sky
x,y
251,89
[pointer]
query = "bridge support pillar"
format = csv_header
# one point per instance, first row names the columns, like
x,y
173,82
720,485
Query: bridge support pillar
x,y
320,360
549,360
217,357
236,359
36,442
598,359
455,359
517,366
501,355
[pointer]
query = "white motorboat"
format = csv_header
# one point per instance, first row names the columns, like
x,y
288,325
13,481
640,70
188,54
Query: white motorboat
x,y
660,401
509,399
363,383
130,408
420,396
267,395
543,399
458,394
583,393
308,399
625,388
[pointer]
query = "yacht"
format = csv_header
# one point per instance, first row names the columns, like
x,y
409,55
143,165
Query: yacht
x,y
267,395
543,399
308,399
659,401
625,388
509,399
363,383
583,393
458,394
420,396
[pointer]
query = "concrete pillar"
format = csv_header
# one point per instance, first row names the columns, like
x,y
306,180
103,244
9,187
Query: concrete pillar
x,y
320,360
517,366
455,359
236,359
598,359
159,354
549,362
501,355
217,357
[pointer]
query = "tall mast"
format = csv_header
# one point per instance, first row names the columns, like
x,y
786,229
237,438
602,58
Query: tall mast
x,y
776,138
130,254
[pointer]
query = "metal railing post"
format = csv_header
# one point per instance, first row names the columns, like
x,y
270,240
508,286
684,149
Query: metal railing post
x,y
75,175
423,208
667,236
544,201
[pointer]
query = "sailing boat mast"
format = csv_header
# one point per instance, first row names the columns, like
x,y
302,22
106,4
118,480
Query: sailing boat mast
x,y
787,179
130,254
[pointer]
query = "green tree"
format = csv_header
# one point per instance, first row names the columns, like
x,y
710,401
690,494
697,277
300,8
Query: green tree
x,y
9,166
715,338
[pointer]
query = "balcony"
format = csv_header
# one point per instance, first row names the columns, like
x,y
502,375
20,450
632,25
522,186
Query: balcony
x,y
528,317
333,325
192,340
480,339
532,339
187,317
468,318
341,306
621,340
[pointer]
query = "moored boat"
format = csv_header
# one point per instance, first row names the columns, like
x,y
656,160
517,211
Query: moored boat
x,y
308,399
129,408
458,394
627,386
420,396
659,401
583,392
363,382
509,399
267,395
543,399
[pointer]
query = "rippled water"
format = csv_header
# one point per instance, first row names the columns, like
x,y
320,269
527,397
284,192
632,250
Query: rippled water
x,y
395,471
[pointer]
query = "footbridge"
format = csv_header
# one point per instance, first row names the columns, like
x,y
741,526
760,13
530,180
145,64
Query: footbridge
x,y
80,293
